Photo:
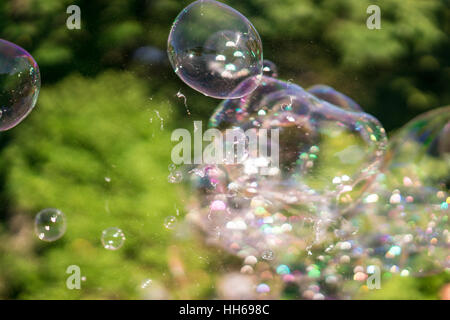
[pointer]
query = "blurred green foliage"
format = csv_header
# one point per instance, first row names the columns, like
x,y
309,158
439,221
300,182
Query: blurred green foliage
x,y
84,133
92,122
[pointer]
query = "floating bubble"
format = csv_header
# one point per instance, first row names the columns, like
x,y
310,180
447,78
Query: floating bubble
x,y
50,224
113,238
175,176
170,222
334,97
323,149
213,48
419,152
270,69
146,283
20,82
267,255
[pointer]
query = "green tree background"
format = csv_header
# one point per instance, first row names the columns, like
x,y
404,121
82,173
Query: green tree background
x,y
93,116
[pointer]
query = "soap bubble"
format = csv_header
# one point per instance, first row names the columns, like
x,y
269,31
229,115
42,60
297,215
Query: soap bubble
x,y
50,224
213,48
146,283
170,222
270,69
267,255
20,82
323,149
419,153
113,238
334,97
175,176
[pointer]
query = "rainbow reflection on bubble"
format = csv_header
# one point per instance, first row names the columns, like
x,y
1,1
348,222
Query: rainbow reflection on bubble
x,y
20,82
311,236
213,48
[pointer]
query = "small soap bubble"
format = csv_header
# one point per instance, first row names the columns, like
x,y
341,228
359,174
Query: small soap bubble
x,y
146,283
113,238
50,224
213,48
170,222
20,82
175,177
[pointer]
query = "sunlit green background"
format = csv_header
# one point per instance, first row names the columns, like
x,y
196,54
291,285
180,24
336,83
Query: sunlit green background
x,y
96,118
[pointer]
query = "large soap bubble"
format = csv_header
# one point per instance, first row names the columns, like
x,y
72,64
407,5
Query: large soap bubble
x,y
213,48
324,150
20,82
420,151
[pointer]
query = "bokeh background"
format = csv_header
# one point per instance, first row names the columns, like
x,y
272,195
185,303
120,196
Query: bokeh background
x,y
107,108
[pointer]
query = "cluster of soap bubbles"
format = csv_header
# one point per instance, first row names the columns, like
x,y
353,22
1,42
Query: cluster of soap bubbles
x,y
330,239
50,225
175,175
20,82
344,209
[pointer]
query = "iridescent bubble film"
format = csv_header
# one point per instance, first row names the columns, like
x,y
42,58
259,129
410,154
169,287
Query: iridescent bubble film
x,y
334,97
20,82
213,48
50,224
324,150
345,212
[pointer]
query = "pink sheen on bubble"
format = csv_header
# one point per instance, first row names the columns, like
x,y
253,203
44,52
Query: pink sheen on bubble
x,y
338,237
213,48
19,84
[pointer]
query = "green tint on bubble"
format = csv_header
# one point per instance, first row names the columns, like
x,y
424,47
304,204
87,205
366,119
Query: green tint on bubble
x,y
50,224
113,238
